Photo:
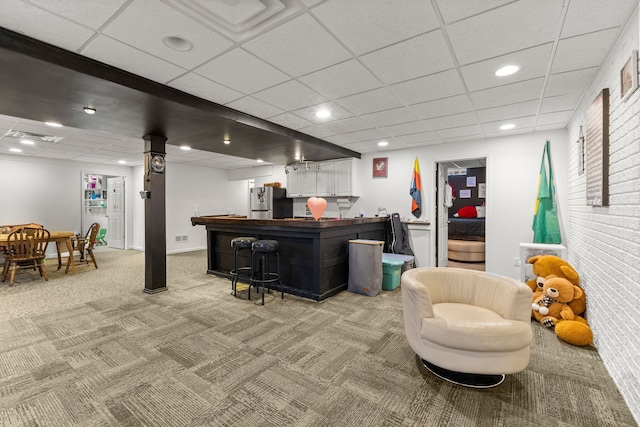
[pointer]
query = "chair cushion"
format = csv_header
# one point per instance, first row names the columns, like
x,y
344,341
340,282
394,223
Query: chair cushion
x,y
473,328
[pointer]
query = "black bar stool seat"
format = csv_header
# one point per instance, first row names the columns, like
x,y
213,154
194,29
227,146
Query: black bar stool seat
x,y
261,250
240,272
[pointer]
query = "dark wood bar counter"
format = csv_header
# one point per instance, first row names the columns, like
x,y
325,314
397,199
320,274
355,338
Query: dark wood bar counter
x,y
314,255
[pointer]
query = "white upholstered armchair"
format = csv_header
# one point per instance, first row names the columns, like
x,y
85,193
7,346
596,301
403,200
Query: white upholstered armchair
x,y
469,327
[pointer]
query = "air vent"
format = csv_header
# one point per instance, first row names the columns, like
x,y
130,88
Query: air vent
x,y
459,171
18,134
239,19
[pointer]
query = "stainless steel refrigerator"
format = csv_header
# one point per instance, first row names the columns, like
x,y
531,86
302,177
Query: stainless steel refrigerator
x,y
269,203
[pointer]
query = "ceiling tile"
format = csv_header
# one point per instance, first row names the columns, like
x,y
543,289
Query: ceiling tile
x,y
205,88
508,94
585,16
365,25
298,47
289,96
351,124
368,102
521,123
522,109
255,107
416,57
516,131
552,104
367,135
161,20
390,117
414,138
559,117
463,131
88,14
452,11
291,121
337,113
119,55
435,86
533,63
570,82
447,122
341,80
406,128
515,26
39,24
593,49
242,71
442,107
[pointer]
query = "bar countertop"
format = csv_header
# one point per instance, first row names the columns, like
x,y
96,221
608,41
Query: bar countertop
x,y
297,222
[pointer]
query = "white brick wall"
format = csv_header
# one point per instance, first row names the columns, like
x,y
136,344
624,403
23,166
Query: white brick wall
x,y
604,242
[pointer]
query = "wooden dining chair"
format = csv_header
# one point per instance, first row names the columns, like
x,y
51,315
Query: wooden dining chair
x,y
26,248
83,246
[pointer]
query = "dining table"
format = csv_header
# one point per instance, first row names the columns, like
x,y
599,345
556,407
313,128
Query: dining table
x,y
60,238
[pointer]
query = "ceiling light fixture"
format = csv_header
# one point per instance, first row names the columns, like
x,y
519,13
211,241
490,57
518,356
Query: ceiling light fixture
x,y
89,110
227,141
15,150
383,144
177,43
507,126
507,70
122,162
27,142
185,147
323,114
260,161
53,124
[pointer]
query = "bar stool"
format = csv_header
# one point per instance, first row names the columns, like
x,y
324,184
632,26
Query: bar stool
x,y
240,272
260,257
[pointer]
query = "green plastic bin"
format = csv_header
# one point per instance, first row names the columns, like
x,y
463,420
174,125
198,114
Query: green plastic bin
x,y
391,271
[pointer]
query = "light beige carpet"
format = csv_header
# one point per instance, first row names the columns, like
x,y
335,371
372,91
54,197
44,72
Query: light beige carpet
x,y
94,350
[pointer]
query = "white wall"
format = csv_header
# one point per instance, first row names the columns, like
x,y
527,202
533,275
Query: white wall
x,y
513,165
49,192
186,186
604,242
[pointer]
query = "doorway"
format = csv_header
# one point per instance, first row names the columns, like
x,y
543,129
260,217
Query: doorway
x,y
461,213
104,202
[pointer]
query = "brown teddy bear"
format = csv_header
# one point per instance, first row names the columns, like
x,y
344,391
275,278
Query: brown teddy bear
x,y
547,265
551,309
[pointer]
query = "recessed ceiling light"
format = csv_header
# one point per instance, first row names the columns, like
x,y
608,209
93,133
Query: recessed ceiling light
x,y
53,124
507,70
122,162
27,142
297,157
185,147
323,114
508,126
15,150
260,161
89,110
227,141
178,43
383,144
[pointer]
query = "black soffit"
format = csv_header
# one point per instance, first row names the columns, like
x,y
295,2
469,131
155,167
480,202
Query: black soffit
x,y
42,82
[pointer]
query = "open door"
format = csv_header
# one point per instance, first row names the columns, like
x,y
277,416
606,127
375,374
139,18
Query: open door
x,y
442,215
115,212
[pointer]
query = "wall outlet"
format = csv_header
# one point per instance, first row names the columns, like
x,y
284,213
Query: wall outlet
x,y
178,238
185,238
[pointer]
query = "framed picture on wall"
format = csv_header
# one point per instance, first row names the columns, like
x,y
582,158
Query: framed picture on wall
x,y
471,181
380,167
465,194
482,190
629,76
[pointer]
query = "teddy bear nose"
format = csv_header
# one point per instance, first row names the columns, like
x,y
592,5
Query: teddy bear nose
x,y
553,292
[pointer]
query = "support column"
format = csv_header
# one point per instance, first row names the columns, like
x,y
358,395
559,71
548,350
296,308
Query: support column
x,y
155,218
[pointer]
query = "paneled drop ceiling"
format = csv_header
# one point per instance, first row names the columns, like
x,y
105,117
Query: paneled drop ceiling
x,y
410,72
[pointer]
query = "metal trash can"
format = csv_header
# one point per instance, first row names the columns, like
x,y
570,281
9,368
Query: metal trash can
x,y
365,267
